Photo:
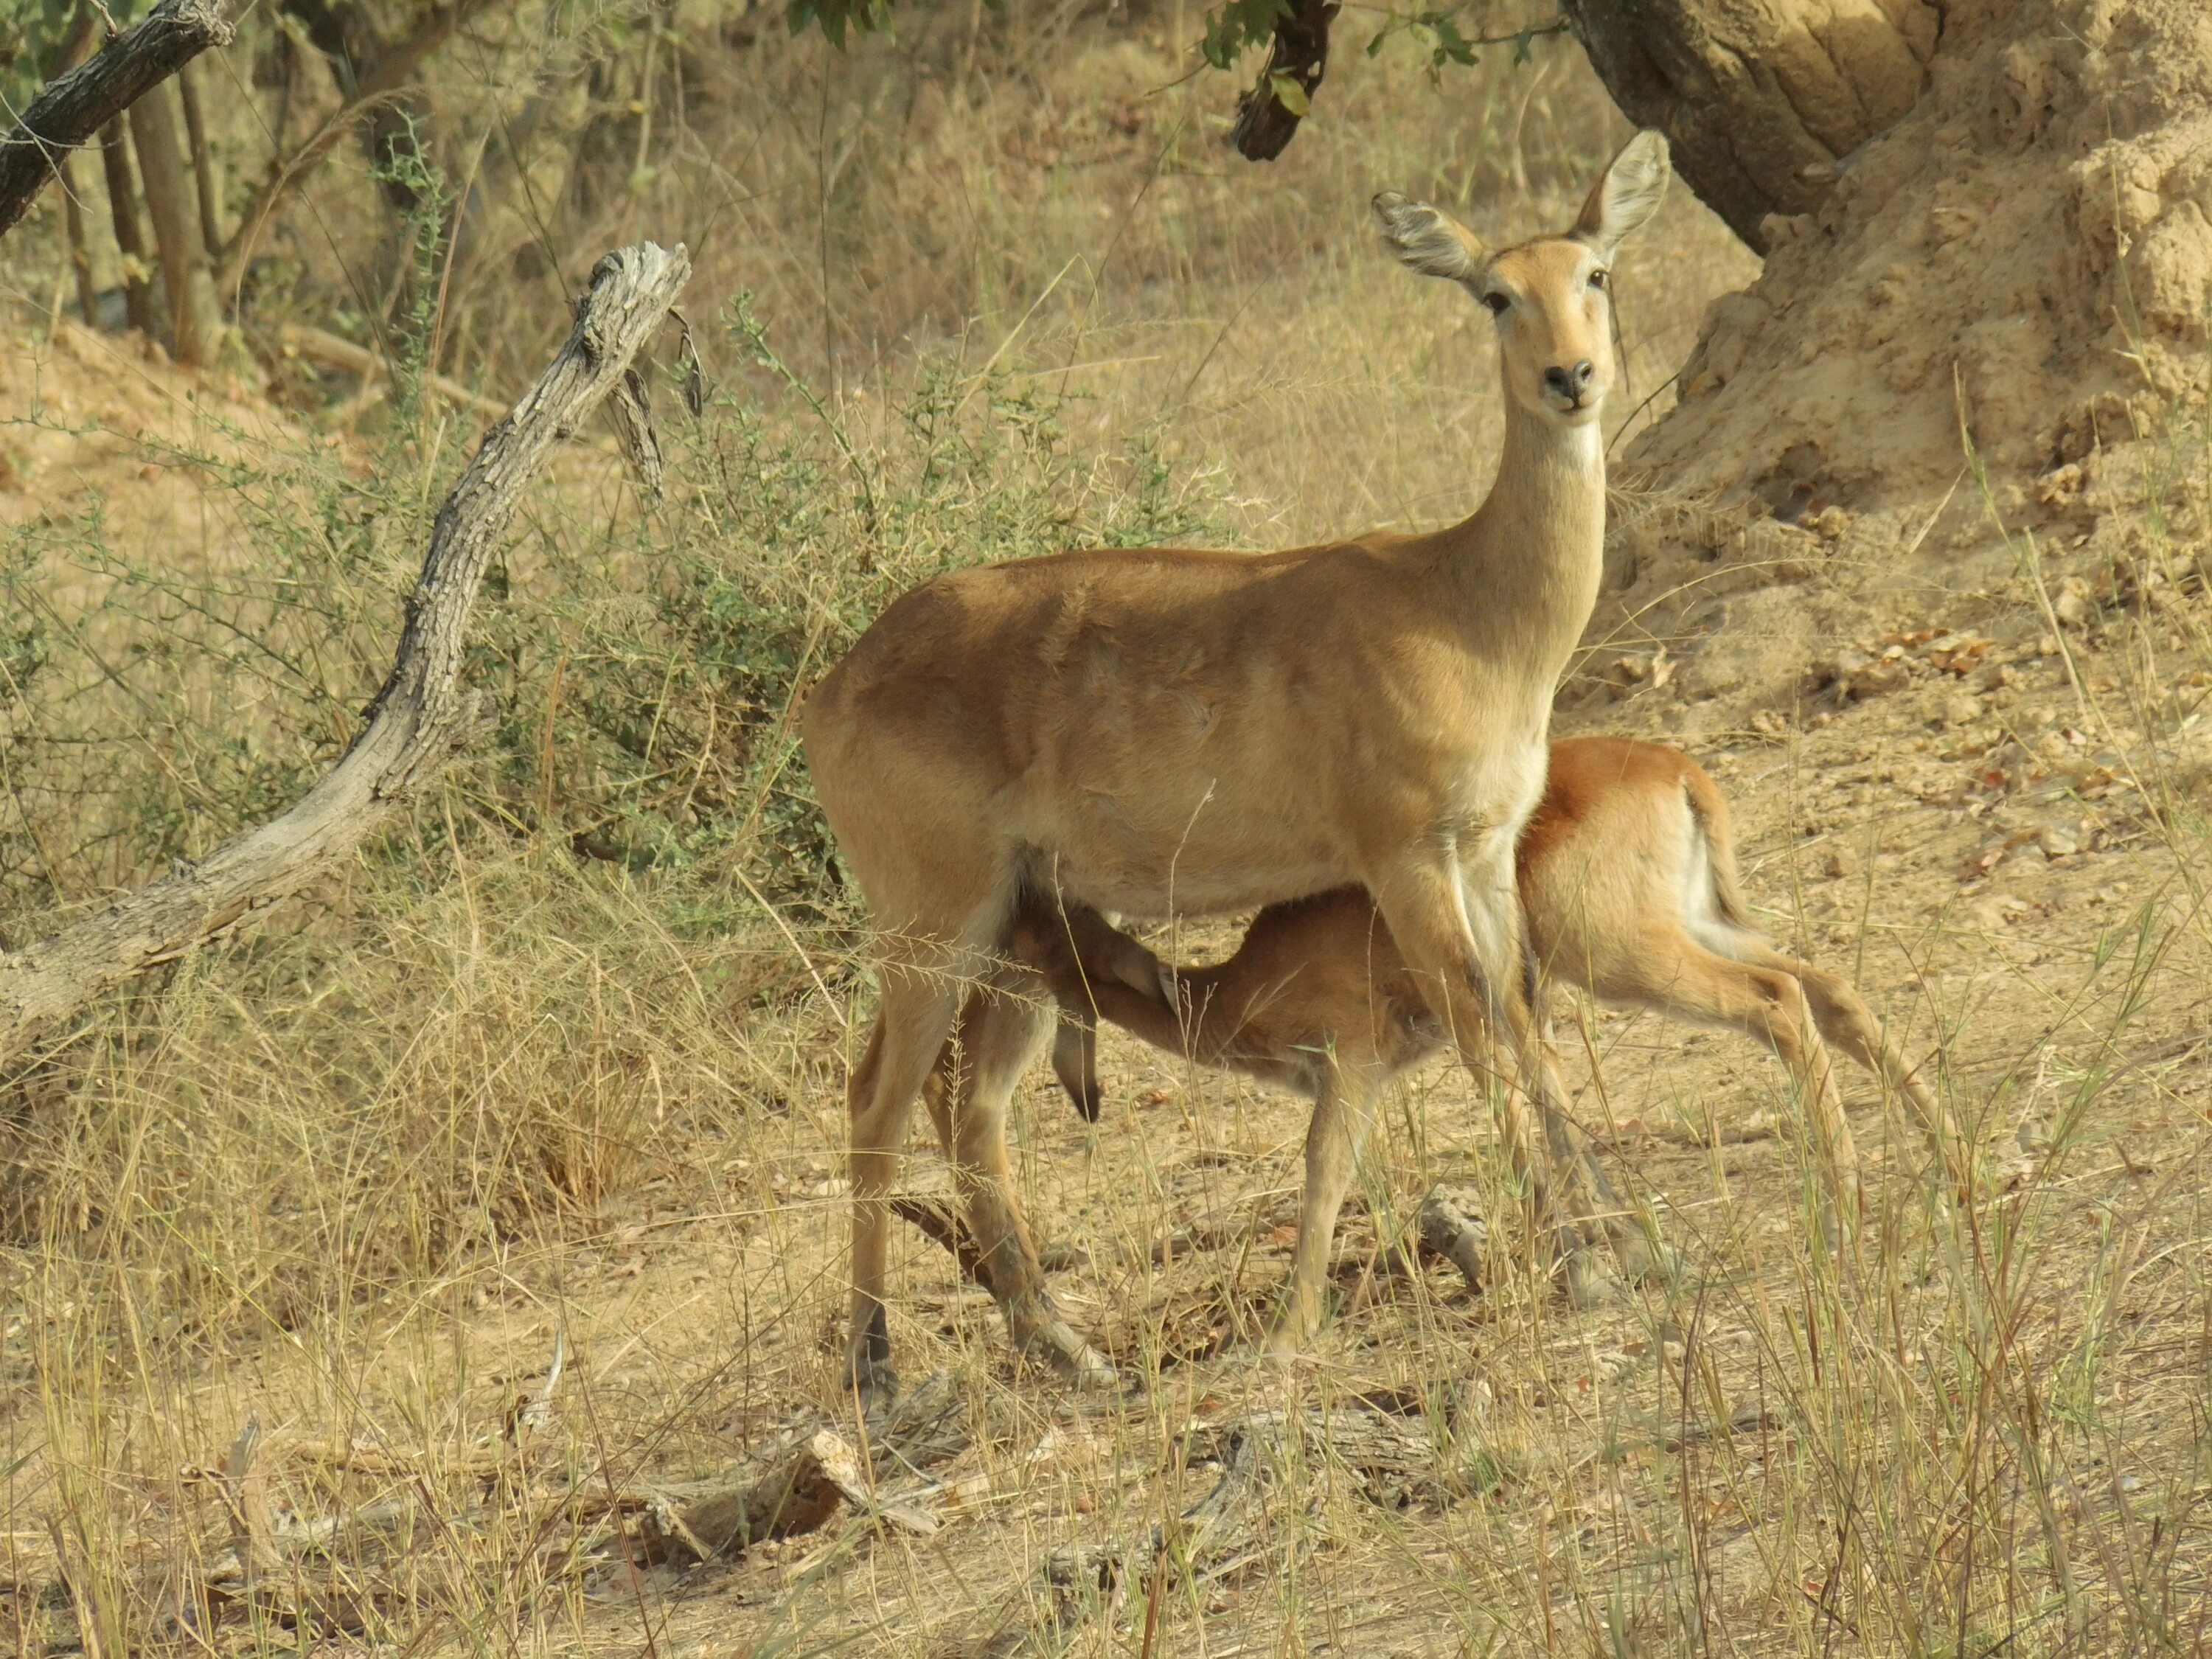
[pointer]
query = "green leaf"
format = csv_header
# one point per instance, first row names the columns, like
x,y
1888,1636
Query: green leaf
x,y
1289,93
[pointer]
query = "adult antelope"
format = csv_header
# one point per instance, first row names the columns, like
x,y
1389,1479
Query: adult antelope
x,y
1628,881
1163,729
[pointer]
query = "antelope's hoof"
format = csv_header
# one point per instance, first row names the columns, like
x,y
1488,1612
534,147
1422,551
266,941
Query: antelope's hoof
x,y
874,1382
868,1371
1082,1366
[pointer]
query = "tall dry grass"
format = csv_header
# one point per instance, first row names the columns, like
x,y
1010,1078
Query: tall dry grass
x,y
558,1069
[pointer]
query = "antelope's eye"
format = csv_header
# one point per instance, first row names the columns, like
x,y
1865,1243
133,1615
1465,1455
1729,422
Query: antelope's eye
x,y
1497,303
1599,279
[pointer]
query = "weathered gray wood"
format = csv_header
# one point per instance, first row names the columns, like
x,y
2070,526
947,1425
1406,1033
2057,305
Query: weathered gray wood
x,y
419,720
74,106
800,1483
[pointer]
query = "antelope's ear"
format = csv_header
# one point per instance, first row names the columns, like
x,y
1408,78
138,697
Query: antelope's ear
x,y
1425,240
1626,194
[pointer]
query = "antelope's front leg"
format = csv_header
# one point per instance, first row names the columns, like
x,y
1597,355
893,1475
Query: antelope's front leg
x,y
999,1034
1472,977
1499,930
1343,1114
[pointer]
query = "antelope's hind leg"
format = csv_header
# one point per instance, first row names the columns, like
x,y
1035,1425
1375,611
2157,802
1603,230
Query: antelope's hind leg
x,y
1769,1004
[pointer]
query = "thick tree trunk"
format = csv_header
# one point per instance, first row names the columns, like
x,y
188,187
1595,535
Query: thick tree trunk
x,y
130,237
1760,99
195,319
419,719
2002,208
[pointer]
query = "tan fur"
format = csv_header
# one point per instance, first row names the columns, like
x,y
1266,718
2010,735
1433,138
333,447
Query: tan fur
x,y
1158,731
1627,875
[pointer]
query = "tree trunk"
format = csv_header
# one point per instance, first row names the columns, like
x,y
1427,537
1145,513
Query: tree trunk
x,y
195,319
130,239
1760,101
207,171
420,718
87,301
1979,207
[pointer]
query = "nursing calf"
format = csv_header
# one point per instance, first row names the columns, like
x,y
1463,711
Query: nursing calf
x,y
1627,877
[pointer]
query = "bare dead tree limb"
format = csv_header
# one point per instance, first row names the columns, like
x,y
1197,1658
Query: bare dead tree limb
x,y
74,106
419,720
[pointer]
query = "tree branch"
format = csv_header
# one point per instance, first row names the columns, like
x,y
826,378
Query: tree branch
x,y
419,720
1299,57
75,106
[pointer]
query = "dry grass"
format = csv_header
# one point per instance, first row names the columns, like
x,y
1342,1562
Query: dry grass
x,y
549,1074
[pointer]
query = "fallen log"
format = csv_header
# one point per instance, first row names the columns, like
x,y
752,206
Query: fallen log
x,y
320,346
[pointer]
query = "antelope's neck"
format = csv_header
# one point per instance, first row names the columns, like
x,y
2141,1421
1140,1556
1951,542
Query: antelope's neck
x,y
1529,562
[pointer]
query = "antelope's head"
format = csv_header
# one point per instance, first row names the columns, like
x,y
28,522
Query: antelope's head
x,y
1552,296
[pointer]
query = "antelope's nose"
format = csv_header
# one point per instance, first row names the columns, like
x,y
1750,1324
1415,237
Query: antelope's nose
x,y
1569,382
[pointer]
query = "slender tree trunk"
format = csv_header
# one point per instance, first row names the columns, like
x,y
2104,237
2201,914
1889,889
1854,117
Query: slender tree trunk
x,y
207,171
87,301
123,213
195,319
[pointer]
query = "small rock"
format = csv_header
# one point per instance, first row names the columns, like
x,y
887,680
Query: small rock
x,y
1842,862
1961,709
2071,605
2057,841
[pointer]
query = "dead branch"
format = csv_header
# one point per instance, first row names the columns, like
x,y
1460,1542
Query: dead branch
x,y
420,720
1268,115
803,1481
1449,1229
75,106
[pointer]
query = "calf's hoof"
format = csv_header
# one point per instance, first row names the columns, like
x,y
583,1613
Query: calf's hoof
x,y
1588,1283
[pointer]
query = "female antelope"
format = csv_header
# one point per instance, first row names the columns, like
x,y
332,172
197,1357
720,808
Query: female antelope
x,y
1156,730
1628,881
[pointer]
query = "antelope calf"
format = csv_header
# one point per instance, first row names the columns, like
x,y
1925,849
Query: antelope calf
x,y
1152,731
1627,877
